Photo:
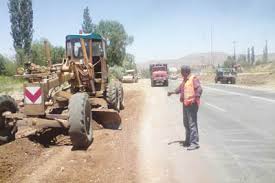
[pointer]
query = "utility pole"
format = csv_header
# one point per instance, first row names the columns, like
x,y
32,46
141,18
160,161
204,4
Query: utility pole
x,y
234,46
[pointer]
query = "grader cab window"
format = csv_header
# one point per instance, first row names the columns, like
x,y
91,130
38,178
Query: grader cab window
x,y
77,50
75,47
97,48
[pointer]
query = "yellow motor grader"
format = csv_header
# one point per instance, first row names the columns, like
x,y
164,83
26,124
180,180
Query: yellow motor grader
x,y
69,95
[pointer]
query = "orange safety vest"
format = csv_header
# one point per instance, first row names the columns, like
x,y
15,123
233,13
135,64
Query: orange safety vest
x,y
189,91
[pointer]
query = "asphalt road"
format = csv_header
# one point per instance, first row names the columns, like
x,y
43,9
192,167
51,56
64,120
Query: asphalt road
x,y
237,137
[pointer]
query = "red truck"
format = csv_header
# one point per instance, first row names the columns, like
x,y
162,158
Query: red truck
x,y
159,74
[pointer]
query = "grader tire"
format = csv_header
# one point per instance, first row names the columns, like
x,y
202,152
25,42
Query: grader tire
x,y
152,83
80,118
166,83
121,95
7,133
112,96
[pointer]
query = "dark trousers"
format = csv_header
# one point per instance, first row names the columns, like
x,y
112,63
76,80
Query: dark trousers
x,y
190,124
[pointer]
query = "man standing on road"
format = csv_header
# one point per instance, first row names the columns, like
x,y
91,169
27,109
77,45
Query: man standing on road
x,y
190,91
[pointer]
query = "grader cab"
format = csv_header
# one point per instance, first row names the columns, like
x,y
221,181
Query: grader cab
x,y
69,95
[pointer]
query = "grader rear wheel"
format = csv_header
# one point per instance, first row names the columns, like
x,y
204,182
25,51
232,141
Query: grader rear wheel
x,y
80,118
7,133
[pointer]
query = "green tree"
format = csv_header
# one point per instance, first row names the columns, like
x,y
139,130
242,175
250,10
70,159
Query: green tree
x,y
26,24
116,72
242,60
21,57
87,25
229,62
117,39
21,18
15,19
10,68
248,55
2,64
252,56
265,53
7,66
145,73
57,54
38,55
129,62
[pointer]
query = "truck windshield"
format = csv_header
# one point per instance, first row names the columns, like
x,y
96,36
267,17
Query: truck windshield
x,y
158,69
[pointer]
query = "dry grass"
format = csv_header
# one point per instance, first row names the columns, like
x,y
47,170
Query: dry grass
x,y
9,85
269,67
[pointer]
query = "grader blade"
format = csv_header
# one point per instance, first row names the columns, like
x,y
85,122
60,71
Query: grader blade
x,y
108,118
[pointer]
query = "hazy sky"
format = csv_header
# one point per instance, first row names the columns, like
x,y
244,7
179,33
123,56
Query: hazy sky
x,y
161,28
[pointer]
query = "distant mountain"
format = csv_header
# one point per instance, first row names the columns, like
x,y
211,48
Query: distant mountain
x,y
192,59
198,59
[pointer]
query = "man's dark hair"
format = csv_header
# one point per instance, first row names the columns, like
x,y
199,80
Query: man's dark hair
x,y
185,69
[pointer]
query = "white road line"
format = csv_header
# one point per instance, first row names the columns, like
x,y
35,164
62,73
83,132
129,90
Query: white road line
x,y
215,107
241,94
228,92
262,98
267,90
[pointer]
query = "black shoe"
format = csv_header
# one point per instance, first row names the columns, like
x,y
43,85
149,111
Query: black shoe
x,y
185,144
193,147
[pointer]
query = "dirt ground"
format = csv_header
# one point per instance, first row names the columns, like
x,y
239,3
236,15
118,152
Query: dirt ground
x,y
111,157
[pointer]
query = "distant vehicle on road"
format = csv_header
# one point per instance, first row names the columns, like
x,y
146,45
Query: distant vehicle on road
x,y
173,75
130,77
159,74
226,75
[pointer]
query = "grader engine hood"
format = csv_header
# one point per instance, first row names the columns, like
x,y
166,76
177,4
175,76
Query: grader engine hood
x,y
34,103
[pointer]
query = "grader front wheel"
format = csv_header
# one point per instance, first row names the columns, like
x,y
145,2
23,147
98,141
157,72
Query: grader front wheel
x,y
7,133
80,121
112,96
121,95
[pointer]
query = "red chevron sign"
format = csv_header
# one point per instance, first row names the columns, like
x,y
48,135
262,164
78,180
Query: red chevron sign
x,y
33,95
